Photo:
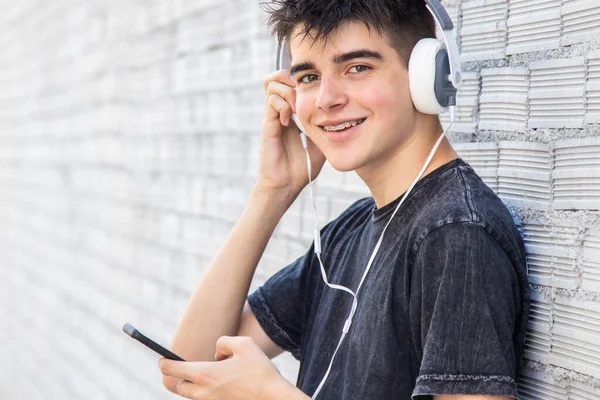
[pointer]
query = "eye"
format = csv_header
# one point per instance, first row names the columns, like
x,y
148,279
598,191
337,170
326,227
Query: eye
x,y
311,78
360,68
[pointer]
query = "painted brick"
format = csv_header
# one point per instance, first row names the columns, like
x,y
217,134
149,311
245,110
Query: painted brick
x,y
557,93
552,254
592,114
504,99
483,33
533,25
591,261
537,340
576,175
580,21
575,335
580,391
524,174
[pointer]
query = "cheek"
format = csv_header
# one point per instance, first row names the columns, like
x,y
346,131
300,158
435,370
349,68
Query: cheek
x,y
389,104
390,98
303,105
303,109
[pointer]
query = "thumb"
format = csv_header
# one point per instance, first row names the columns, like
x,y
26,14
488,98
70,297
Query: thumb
x,y
225,346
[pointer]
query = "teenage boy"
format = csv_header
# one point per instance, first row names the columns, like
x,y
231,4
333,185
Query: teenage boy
x,y
443,311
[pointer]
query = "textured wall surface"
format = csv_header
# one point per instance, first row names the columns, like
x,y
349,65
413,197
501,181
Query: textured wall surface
x,y
128,145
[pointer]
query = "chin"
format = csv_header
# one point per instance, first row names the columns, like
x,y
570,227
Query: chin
x,y
344,164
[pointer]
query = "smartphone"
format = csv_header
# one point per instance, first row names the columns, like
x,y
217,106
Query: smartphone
x,y
151,344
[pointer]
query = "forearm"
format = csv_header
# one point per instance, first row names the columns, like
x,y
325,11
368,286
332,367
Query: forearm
x,y
216,304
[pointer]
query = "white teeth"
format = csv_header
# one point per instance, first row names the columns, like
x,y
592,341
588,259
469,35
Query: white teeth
x,y
341,126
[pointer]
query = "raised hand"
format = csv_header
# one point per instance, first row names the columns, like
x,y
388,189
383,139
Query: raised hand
x,y
282,159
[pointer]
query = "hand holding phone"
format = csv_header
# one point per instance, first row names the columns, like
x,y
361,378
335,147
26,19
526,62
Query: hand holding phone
x,y
151,344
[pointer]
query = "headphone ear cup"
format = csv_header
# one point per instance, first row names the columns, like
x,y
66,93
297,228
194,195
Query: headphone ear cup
x,y
422,75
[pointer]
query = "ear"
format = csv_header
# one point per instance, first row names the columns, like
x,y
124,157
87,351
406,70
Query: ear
x,y
422,76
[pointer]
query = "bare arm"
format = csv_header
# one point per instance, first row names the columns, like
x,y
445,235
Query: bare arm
x,y
215,308
250,327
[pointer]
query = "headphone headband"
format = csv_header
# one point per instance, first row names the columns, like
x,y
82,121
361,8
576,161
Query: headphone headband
x,y
440,14
442,19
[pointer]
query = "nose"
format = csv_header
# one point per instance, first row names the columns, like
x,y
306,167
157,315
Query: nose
x,y
331,95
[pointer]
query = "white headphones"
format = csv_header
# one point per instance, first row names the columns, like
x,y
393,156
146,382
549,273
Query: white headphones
x,y
434,76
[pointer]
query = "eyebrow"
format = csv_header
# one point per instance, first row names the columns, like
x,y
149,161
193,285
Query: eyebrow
x,y
340,58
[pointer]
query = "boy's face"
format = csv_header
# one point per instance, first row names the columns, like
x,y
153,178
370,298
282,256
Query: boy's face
x,y
334,86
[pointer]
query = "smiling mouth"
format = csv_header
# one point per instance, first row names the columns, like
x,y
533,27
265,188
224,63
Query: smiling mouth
x,y
343,126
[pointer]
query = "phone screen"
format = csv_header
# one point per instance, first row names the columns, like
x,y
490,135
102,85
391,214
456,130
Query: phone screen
x,y
151,344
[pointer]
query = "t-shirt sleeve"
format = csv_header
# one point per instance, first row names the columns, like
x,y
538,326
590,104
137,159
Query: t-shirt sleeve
x,y
464,304
279,304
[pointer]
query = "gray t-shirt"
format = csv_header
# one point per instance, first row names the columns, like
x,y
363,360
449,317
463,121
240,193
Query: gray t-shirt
x,y
443,309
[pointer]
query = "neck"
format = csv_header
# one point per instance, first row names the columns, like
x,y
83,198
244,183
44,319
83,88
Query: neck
x,y
391,176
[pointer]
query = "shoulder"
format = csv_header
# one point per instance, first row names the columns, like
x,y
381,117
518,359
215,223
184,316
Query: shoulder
x,y
457,200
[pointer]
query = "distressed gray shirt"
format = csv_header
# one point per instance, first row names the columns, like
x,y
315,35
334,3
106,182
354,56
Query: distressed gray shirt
x,y
443,309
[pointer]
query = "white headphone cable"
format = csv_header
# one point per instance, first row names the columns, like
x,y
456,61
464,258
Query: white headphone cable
x,y
317,242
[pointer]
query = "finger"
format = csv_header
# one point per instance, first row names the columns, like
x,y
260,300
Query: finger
x,y
227,346
282,75
189,371
189,390
224,348
277,107
173,368
285,91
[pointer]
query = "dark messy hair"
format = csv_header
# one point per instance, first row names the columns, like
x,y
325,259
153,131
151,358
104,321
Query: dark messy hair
x,y
403,22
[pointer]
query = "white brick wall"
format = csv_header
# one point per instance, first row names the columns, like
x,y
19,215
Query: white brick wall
x,y
128,146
